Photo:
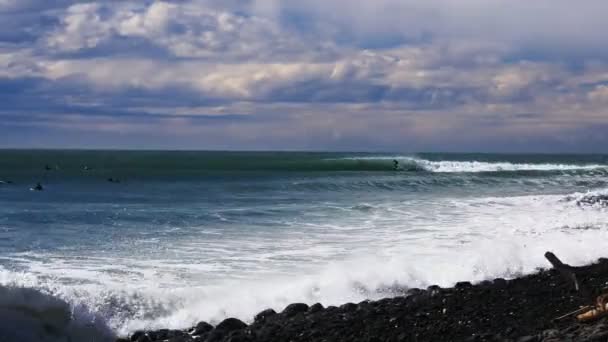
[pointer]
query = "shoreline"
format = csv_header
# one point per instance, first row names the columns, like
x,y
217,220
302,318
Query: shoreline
x,y
520,309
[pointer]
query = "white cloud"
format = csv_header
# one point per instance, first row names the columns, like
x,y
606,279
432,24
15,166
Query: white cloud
x,y
332,68
186,29
599,94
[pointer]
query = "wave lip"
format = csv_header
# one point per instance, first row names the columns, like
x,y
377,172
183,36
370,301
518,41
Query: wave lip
x,y
30,315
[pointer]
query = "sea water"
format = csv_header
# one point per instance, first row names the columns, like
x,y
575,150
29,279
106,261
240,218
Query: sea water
x,y
179,237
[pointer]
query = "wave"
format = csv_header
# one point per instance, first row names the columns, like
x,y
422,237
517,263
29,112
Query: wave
x,y
32,315
408,163
130,165
597,198
516,231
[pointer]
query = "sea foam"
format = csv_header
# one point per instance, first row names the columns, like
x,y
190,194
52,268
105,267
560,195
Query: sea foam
x,y
471,239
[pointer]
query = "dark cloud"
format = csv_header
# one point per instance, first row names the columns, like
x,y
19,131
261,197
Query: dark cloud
x,y
331,74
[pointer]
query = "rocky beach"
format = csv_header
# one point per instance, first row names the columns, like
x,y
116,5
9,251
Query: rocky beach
x,y
521,309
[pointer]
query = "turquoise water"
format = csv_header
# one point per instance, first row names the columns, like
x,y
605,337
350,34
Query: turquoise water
x,y
186,236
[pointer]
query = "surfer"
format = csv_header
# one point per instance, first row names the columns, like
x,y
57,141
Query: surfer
x,y
395,164
47,167
38,187
113,180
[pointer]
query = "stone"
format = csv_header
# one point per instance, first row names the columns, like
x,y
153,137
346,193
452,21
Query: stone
x,y
264,315
201,328
315,308
463,285
348,307
231,324
294,309
136,335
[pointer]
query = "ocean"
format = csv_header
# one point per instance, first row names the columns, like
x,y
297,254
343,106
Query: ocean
x,y
126,240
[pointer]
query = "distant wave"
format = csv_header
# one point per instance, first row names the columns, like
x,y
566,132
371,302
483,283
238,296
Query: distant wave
x,y
447,166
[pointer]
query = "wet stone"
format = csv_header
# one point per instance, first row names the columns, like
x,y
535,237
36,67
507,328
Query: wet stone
x,y
294,309
231,324
201,328
348,307
264,315
315,308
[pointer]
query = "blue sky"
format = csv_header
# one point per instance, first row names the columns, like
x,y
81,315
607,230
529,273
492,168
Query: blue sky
x,y
393,75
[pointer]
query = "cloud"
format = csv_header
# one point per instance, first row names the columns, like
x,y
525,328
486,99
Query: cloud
x,y
182,30
331,74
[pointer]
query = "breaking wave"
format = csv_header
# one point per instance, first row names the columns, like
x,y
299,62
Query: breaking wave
x,y
447,166
32,315
59,312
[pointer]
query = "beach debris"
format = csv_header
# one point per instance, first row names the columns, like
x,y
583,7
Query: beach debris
x,y
585,313
569,273
600,310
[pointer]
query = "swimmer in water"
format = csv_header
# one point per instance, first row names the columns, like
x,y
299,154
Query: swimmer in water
x,y
38,187
395,164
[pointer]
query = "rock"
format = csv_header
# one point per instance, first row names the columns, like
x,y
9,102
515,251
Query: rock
x,y
184,338
175,333
201,328
348,307
231,324
414,291
463,285
136,335
520,309
264,315
239,337
315,308
161,334
499,283
294,309
528,339
144,338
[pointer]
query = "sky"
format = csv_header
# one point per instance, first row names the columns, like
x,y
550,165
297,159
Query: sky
x,y
356,75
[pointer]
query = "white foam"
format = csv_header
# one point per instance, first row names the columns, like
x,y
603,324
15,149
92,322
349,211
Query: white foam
x,y
347,258
477,166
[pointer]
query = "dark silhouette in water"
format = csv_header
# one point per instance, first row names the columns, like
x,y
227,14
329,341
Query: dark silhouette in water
x,y
6,182
396,164
47,167
113,180
38,187
86,168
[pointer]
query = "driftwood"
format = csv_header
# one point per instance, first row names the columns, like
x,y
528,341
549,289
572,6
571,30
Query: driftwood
x,y
586,313
569,273
575,312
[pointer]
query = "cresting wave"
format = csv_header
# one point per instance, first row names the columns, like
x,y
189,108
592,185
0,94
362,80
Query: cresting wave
x,y
407,163
33,315
516,231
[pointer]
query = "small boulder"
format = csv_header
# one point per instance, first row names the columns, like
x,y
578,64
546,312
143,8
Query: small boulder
x,y
348,307
136,335
201,328
463,285
264,315
315,308
294,309
231,324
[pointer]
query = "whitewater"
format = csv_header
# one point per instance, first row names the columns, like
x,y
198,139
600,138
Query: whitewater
x,y
190,237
